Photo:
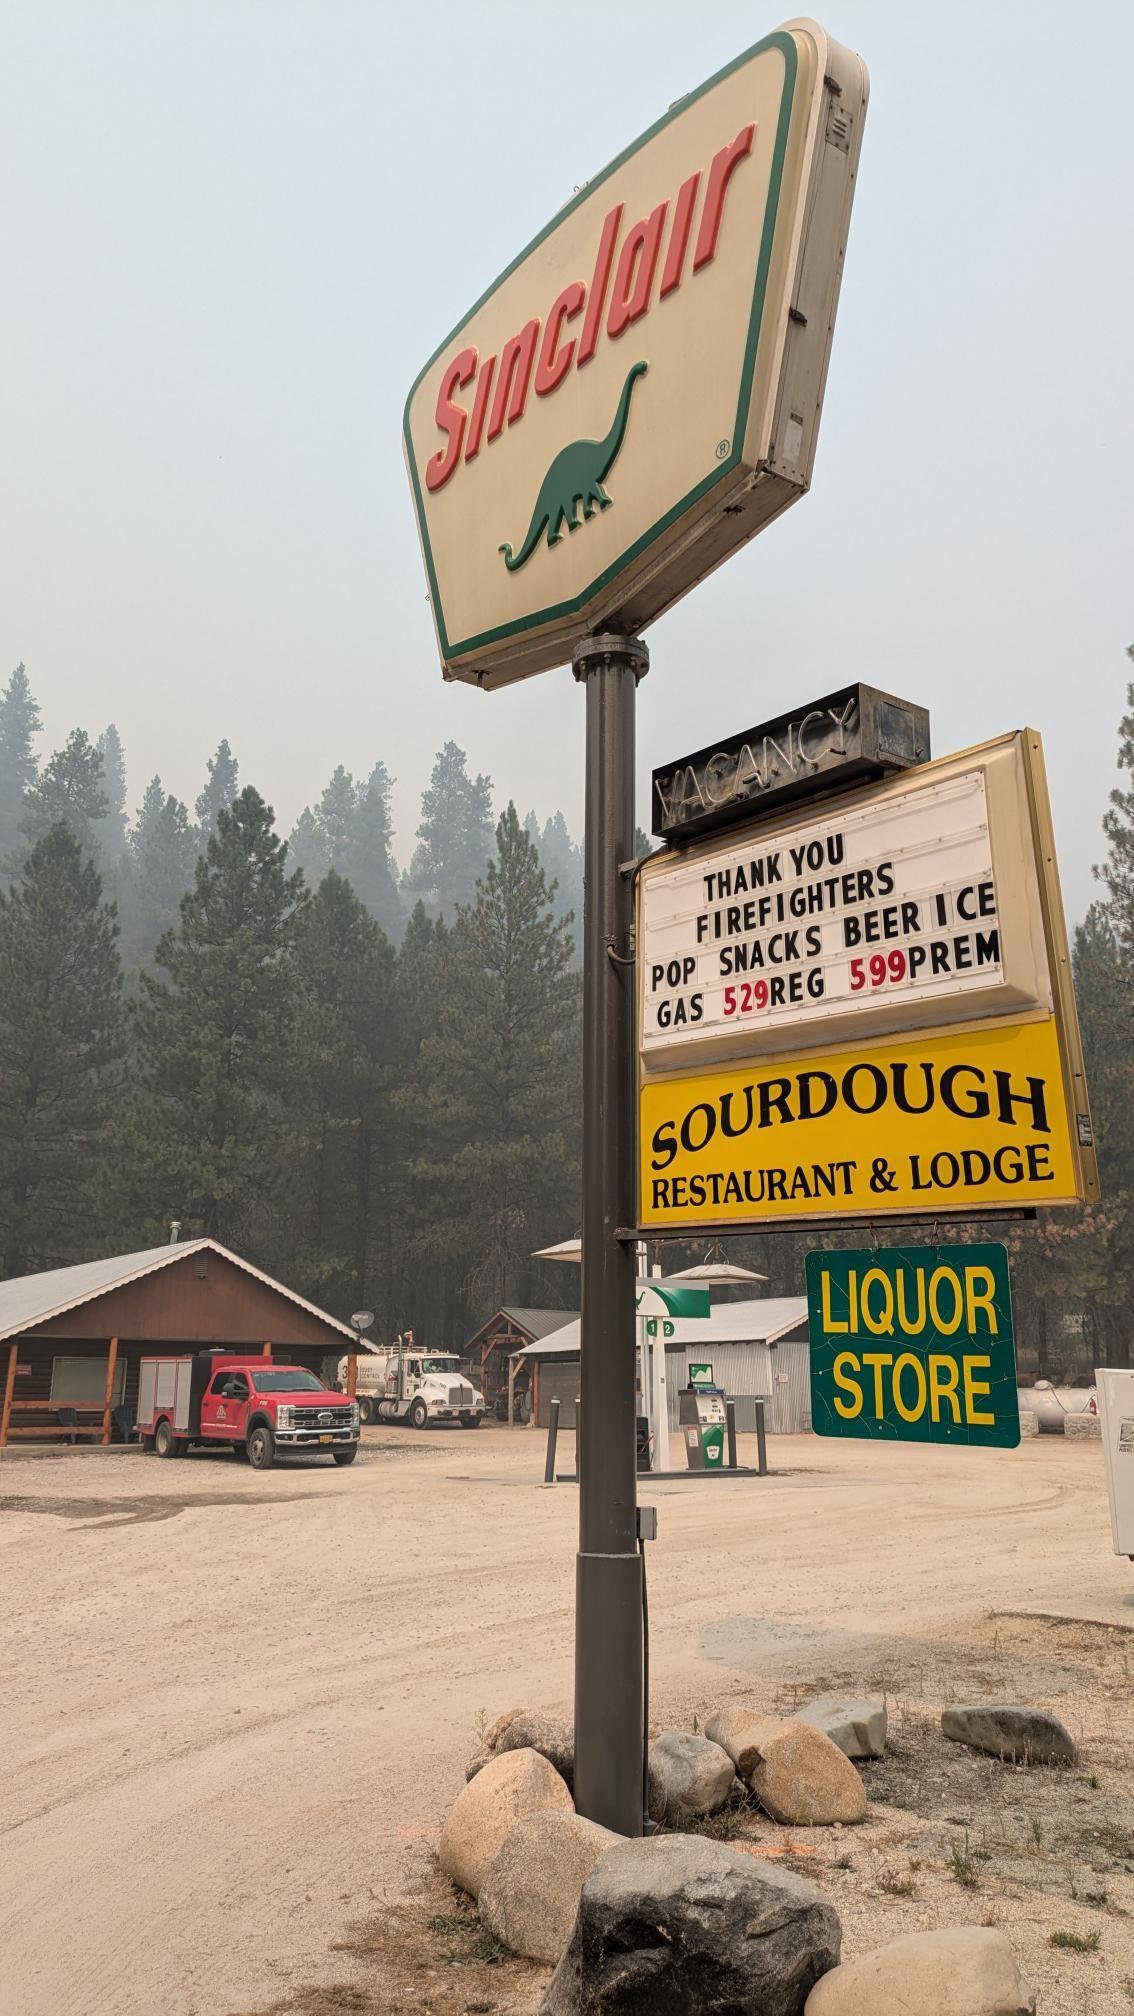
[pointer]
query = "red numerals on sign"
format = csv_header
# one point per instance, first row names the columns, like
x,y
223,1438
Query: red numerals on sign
x,y
880,970
742,1000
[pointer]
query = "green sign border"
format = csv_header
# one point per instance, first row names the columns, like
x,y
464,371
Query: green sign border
x,y
467,646
1002,1400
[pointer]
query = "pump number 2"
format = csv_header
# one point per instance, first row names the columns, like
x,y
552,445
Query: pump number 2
x,y
880,970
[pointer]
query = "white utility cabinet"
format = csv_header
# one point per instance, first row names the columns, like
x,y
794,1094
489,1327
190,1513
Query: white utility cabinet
x,y
1116,1411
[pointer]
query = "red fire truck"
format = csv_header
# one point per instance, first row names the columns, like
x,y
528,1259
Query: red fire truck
x,y
253,1404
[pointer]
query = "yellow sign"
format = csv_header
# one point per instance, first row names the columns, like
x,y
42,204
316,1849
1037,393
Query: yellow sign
x,y
967,1120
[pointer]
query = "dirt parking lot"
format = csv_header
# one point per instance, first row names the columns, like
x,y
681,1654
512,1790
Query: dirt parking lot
x,y
233,1707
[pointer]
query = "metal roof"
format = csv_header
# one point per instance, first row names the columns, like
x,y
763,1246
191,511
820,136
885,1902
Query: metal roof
x,y
537,1322
32,1299
761,1321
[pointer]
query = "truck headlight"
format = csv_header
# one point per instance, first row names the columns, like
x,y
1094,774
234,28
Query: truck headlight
x,y
285,1417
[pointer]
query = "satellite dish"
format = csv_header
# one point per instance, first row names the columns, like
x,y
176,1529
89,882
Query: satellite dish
x,y
362,1319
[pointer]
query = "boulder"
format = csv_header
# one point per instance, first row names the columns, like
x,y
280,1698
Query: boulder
x,y
965,1971
508,1789
857,1728
689,1777
738,1730
492,1735
551,1735
530,1893
1018,1735
490,1742
677,1923
1083,1428
799,1776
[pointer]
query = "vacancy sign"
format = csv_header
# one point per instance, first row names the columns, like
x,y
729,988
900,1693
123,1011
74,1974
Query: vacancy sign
x,y
911,906
864,1011
639,392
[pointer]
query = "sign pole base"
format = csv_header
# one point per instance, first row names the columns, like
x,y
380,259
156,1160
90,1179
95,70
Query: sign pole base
x,y
608,1581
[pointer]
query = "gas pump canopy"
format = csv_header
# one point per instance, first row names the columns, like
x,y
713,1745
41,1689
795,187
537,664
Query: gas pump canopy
x,y
639,392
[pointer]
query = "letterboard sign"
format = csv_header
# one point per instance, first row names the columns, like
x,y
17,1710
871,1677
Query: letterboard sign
x,y
865,1010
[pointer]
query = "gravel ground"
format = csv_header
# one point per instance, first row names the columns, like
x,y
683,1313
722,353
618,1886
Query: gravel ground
x,y
233,1706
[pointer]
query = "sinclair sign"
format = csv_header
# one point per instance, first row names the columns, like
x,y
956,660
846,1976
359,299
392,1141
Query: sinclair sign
x,y
864,1011
639,392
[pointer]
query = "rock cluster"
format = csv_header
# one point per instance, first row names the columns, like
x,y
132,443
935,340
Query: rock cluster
x,y
678,1922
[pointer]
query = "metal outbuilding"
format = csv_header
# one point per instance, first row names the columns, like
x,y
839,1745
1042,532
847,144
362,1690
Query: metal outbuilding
x,y
75,1335
758,1350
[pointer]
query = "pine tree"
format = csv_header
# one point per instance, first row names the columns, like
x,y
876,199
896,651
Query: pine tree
x,y
215,1040
221,786
335,817
455,834
61,1042
110,830
306,849
20,723
370,864
502,1162
69,792
1084,1259
422,1287
561,861
1117,872
156,872
346,1051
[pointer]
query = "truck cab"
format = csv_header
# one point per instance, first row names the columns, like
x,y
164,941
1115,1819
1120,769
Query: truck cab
x,y
253,1404
426,1386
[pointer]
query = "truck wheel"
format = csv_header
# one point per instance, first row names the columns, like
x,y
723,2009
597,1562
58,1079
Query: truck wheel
x,y
366,1412
418,1413
261,1448
166,1443
470,1420
344,1456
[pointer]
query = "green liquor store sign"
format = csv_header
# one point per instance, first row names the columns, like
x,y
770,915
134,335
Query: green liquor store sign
x,y
913,1344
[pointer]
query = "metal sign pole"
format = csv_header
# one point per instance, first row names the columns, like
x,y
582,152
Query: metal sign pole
x,y
608,1576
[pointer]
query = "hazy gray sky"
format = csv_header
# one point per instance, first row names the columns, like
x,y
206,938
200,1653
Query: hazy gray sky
x,y
232,230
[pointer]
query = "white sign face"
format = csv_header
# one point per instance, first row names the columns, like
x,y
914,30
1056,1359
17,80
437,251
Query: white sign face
x,y
654,355
899,910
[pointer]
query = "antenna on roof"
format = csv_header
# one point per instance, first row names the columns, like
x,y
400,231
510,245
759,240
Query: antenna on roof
x,y
174,1231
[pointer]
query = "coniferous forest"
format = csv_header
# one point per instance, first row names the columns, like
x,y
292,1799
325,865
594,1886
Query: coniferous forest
x,y
367,1079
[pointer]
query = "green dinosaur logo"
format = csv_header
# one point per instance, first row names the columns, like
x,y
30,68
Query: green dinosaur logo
x,y
575,479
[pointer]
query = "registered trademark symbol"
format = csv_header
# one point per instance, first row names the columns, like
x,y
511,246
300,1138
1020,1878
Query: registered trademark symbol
x,y
722,449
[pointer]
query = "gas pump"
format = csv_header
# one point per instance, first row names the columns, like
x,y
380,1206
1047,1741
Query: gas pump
x,y
701,1412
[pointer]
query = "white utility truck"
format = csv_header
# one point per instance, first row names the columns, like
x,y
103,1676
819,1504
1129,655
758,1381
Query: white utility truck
x,y
415,1386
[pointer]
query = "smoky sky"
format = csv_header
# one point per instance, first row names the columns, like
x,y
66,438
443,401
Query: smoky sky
x,y
231,233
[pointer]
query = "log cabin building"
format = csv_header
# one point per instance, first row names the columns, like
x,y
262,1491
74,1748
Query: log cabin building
x,y
71,1339
491,1349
